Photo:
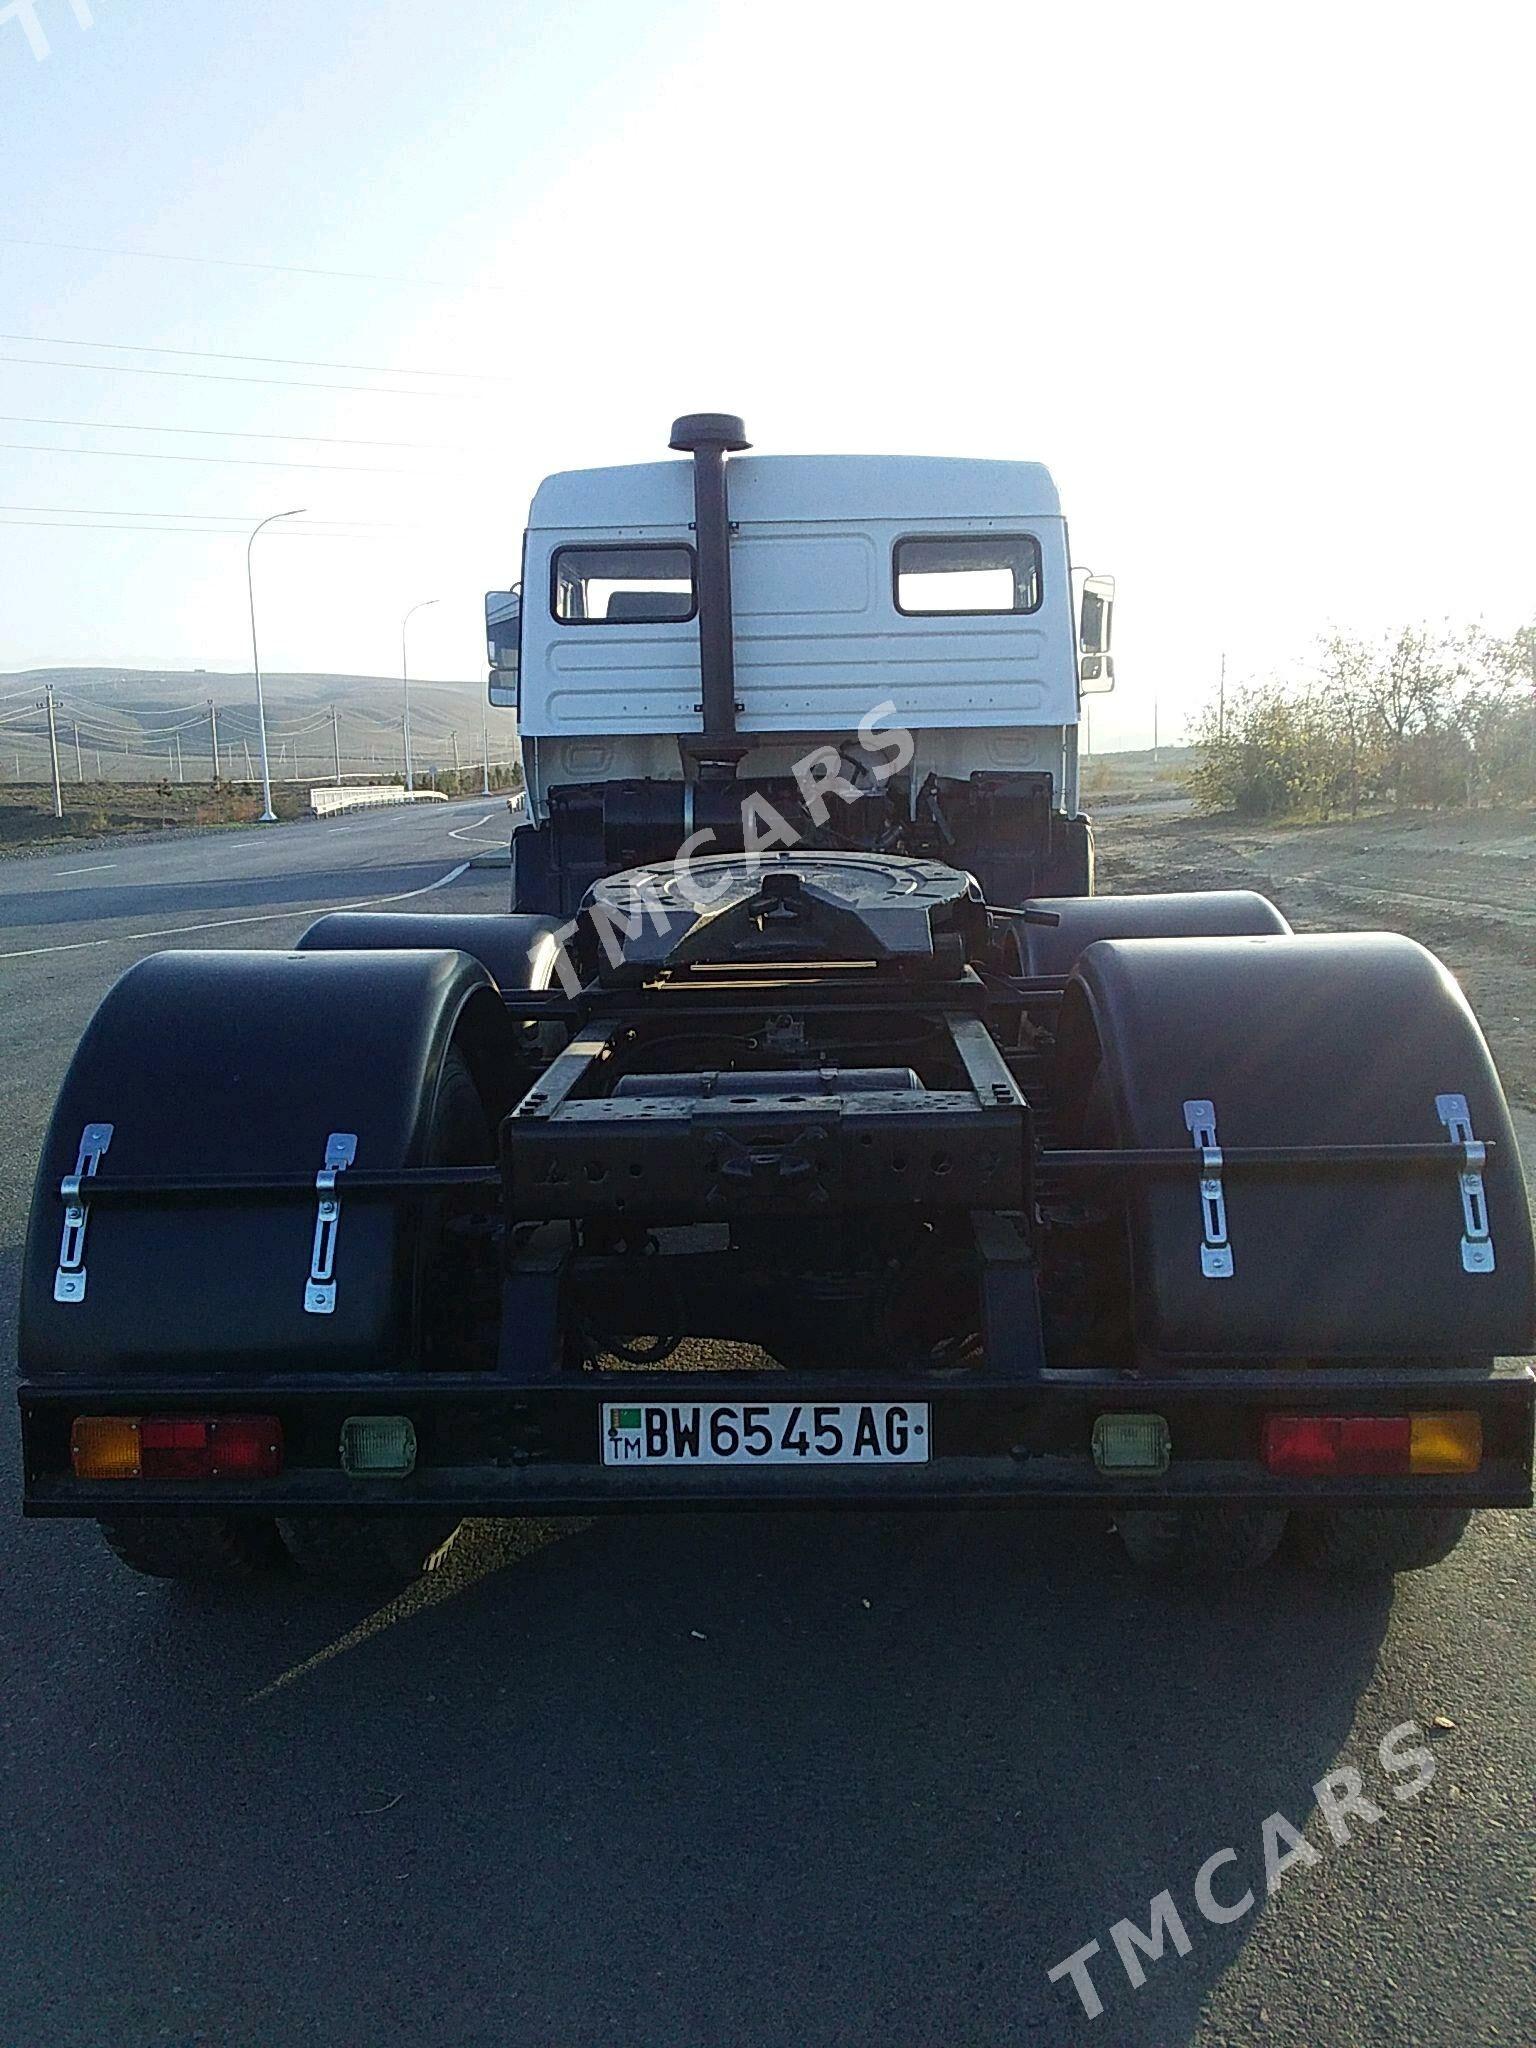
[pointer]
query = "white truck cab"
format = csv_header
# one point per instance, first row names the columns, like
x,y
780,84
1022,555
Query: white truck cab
x,y
686,627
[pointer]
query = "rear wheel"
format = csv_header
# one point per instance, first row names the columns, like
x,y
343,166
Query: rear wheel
x,y
376,1551
1069,872
1368,1543
1201,1542
199,1549
457,1291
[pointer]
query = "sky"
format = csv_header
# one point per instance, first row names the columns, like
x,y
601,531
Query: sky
x,y
1255,283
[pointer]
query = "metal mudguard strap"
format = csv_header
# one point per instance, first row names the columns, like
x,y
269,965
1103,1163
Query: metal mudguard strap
x,y
69,1280
1215,1248
1476,1238
320,1290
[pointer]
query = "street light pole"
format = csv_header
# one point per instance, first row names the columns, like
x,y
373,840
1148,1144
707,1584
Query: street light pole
x,y
405,681
53,753
268,815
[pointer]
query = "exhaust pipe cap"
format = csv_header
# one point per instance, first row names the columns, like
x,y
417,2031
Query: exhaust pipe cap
x,y
696,430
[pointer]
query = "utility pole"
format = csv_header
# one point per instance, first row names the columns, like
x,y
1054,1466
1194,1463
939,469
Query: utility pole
x,y
98,764
455,738
485,746
213,728
250,773
79,763
53,754
336,744
180,771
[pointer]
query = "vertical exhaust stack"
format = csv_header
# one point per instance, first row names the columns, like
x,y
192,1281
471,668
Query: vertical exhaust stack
x,y
708,437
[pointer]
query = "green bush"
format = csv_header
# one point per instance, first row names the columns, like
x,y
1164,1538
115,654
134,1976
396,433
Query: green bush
x,y
1434,719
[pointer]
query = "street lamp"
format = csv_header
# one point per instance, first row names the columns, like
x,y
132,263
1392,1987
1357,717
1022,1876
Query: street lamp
x,y
268,815
405,678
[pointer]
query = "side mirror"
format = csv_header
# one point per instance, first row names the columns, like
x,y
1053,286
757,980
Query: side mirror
x,y
1098,614
503,619
1098,664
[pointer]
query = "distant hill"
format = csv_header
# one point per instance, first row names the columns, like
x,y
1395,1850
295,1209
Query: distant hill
x,y
136,719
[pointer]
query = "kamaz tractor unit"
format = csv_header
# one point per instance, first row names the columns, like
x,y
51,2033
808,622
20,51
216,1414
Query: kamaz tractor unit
x,y
806,1132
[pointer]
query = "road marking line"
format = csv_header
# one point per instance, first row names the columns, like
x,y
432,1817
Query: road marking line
x,y
464,829
101,870
216,924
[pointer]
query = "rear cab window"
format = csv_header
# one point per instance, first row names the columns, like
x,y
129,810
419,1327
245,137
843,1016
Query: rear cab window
x,y
622,585
966,573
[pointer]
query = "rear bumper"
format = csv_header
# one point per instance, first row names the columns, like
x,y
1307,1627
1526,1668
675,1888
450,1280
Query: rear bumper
x,y
490,1447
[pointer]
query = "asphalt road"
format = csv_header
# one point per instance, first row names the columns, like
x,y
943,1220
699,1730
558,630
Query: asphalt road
x,y
794,1780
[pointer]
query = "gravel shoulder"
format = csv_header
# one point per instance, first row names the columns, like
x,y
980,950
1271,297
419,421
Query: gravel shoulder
x,y
1463,884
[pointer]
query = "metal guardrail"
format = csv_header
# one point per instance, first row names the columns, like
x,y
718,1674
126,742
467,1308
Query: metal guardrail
x,y
329,803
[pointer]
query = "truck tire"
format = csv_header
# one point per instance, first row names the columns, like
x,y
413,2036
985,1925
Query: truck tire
x,y
377,1552
1201,1542
1371,1543
452,1271
1069,869
198,1549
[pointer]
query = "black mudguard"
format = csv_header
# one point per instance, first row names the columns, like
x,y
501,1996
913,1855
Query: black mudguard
x,y
246,1063
518,952
1055,948
1325,1040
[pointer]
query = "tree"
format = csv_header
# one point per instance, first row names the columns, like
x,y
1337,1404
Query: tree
x,y
1434,716
1345,666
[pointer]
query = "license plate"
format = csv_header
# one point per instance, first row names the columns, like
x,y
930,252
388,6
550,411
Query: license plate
x,y
765,1433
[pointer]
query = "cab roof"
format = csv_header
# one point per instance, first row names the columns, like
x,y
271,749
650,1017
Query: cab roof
x,y
794,488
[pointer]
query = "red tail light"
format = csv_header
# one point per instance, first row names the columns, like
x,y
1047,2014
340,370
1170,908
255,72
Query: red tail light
x,y
1313,1445
177,1447
210,1446
1338,1446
